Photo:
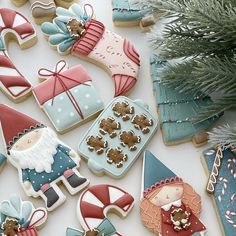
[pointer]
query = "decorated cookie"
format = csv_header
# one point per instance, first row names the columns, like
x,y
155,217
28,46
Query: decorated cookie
x,y
115,154
109,126
93,206
67,96
127,13
13,25
142,122
43,10
75,31
41,159
220,167
169,206
20,218
177,110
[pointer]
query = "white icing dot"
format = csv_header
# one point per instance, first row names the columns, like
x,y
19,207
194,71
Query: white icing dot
x,y
58,121
52,171
67,168
60,158
86,107
69,160
87,95
42,177
35,173
99,101
58,174
49,179
59,110
72,114
61,97
33,182
76,91
60,166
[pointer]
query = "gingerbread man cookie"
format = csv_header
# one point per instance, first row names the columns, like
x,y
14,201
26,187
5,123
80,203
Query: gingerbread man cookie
x,y
14,26
96,143
42,160
76,32
116,156
123,145
142,122
130,139
109,126
43,10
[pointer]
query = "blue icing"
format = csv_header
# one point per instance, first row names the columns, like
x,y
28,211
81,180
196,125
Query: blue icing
x,y
182,110
226,203
98,163
64,115
2,159
125,10
154,170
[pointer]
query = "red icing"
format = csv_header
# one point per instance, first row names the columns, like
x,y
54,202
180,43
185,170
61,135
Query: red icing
x,y
12,81
102,193
94,32
28,232
14,122
44,91
131,52
23,30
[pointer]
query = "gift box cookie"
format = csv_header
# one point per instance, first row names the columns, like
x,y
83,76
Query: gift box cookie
x,y
67,96
118,136
219,165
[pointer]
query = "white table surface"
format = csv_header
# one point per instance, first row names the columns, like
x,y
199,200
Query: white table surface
x,y
183,159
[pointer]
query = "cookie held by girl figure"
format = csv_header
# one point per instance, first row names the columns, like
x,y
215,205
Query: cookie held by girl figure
x,y
20,218
14,26
169,206
75,31
41,159
43,10
94,205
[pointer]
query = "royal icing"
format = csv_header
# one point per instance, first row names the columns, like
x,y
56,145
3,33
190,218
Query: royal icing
x,y
116,139
41,159
12,82
67,96
168,205
98,200
20,218
73,31
225,186
177,110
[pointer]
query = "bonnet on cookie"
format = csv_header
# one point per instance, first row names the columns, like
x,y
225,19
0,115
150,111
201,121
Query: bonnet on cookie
x,y
156,174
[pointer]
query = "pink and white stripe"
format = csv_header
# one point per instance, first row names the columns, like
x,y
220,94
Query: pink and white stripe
x,y
224,188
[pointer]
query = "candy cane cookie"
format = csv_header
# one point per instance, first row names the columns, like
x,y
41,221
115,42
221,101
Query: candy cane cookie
x,y
97,201
14,26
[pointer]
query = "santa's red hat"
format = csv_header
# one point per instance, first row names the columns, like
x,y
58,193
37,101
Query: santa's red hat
x,y
15,124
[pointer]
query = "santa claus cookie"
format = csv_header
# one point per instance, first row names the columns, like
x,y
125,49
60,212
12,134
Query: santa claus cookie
x,y
67,96
41,159
169,206
220,166
177,110
75,31
15,26
118,136
20,218
43,10
93,206
128,13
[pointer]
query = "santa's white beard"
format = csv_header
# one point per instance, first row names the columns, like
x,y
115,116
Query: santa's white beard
x,y
40,156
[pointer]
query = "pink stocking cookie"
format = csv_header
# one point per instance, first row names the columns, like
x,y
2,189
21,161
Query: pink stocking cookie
x,y
41,159
76,32
14,25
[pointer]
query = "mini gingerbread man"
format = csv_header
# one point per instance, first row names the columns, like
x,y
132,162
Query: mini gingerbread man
x,y
123,109
10,227
129,138
180,219
142,122
76,28
93,232
96,143
109,126
116,156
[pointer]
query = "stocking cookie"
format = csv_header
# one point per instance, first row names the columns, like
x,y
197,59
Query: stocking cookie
x,y
67,96
127,13
41,159
130,139
122,148
116,156
18,218
43,10
109,126
97,201
169,206
96,143
123,110
177,110
75,31
142,122
224,192
13,25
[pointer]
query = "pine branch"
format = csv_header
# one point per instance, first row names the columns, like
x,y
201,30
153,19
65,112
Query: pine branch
x,y
223,136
